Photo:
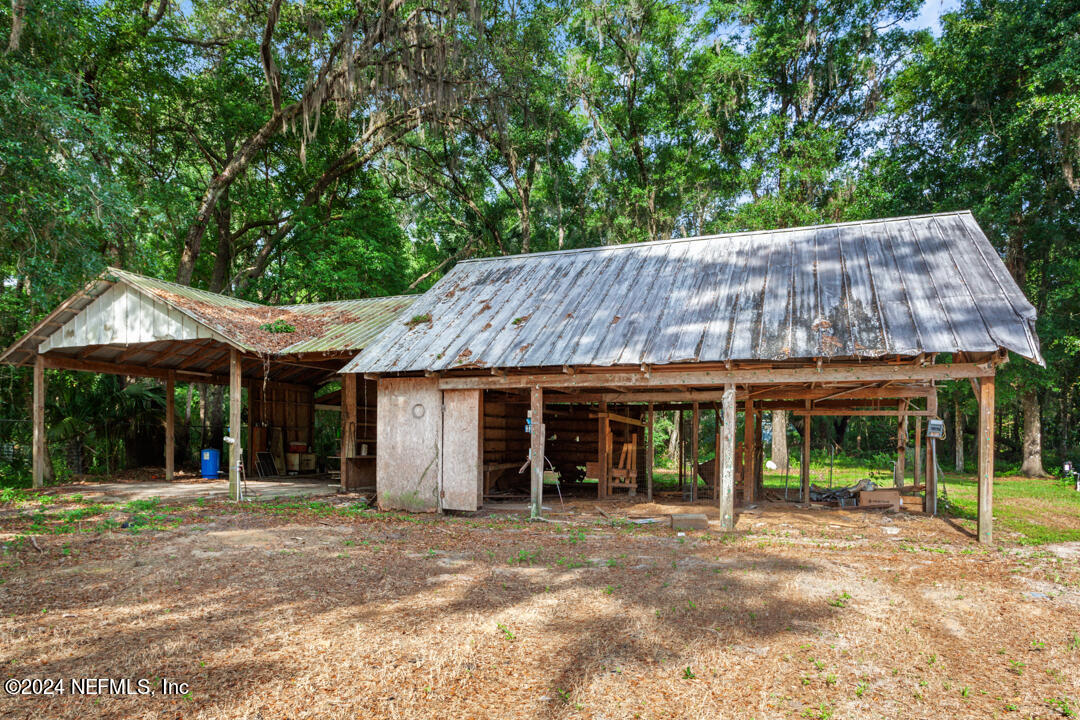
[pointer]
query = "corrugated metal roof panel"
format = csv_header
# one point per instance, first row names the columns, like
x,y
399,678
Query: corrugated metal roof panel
x,y
929,283
362,321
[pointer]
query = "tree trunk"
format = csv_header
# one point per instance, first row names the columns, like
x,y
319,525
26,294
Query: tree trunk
x,y
215,410
1032,465
673,440
779,438
958,434
901,451
75,456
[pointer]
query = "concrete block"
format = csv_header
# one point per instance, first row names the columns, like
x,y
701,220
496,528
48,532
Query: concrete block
x,y
689,521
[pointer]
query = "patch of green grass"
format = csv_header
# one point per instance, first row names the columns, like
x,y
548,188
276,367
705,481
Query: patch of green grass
x,y
1039,509
147,505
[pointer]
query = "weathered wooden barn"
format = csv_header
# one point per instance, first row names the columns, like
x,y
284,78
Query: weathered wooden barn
x,y
128,324
567,355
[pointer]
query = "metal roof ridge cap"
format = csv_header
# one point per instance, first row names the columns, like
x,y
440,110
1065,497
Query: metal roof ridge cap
x,y
717,236
349,300
121,273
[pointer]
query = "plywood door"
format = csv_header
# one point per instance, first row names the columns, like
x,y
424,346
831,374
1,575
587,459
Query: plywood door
x,y
463,455
409,459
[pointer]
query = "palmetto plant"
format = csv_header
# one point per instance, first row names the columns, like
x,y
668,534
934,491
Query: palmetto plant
x,y
94,413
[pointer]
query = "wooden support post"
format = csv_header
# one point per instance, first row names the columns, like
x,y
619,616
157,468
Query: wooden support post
x,y
986,460
38,411
804,465
602,435
930,496
348,428
918,449
749,454
695,428
682,450
253,423
649,459
235,402
170,427
717,454
899,468
759,455
726,489
536,450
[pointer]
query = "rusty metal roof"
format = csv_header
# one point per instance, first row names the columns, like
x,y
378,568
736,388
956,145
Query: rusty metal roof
x,y
361,321
329,327
901,286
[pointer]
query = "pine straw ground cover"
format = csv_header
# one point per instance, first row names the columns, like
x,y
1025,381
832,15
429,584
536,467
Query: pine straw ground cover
x,y
325,610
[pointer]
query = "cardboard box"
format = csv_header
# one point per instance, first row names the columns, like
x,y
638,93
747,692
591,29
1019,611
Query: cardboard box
x,y
889,495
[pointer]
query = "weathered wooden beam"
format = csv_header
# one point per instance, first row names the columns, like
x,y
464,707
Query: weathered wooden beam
x,y
695,427
717,423
986,460
536,451
170,427
649,453
917,466
748,452
235,403
901,445
804,465
348,428
60,362
930,494
38,412
624,419
784,392
602,433
726,490
659,378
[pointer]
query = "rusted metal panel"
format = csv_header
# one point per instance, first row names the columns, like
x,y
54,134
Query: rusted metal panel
x,y
901,286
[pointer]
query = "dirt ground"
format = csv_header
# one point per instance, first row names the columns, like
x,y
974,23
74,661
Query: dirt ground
x,y
318,609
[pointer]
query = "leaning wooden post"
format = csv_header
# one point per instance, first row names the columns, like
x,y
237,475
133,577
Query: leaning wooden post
x,y
986,460
235,401
695,427
804,465
170,426
649,460
348,428
749,453
38,411
726,490
536,451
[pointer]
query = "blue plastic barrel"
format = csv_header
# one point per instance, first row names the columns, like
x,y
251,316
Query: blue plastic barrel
x,y
211,462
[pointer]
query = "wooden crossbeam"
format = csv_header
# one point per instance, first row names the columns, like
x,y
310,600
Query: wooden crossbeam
x,y
658,378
